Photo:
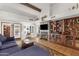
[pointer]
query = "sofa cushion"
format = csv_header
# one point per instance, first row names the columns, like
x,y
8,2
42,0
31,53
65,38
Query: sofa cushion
x,y
10,39
0,44
8,44
2,38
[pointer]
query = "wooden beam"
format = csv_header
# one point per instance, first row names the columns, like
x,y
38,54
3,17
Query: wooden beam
x,y
32,6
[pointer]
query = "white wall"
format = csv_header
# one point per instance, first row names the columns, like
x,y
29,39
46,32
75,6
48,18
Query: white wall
x,y
64,10
37,27
45,11
59,8
26,25
45,7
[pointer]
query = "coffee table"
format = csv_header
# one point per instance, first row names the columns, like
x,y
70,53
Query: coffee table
x,y
27,43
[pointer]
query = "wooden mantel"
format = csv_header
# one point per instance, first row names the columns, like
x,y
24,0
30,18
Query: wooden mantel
x,y
56,47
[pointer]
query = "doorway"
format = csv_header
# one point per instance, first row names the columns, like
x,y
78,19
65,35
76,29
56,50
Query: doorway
x,y
6,29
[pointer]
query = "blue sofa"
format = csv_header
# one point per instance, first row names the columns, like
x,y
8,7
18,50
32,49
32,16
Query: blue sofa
x,y
6,42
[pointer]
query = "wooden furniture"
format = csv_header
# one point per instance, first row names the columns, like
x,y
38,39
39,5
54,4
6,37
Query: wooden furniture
x,y
56,49
65,32
56,30
76,31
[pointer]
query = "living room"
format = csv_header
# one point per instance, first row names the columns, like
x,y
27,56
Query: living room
x,y
15,24
39,29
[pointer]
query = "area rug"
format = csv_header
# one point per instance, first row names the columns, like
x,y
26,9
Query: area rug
x,y
30,51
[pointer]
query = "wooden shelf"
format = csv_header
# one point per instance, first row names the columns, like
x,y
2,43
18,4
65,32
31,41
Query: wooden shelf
x,y
68,30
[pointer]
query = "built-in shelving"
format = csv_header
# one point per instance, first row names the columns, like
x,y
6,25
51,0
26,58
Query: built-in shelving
x,y
65,32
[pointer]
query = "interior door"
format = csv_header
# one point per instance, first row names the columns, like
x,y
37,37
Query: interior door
x,y
6,29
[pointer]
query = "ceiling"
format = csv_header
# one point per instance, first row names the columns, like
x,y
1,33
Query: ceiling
x,y
18,9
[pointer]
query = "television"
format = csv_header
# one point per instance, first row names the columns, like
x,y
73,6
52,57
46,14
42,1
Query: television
x,y
44,27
